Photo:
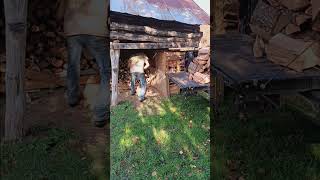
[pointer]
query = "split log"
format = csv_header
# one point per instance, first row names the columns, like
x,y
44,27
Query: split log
x,y
316,15
258,47
274,3
293,53
57,63
284,19
292,28
204,51
301,19
308,11
264,20
295,4
201,78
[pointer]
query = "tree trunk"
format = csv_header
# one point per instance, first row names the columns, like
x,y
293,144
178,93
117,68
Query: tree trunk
x,y
16,30
115,55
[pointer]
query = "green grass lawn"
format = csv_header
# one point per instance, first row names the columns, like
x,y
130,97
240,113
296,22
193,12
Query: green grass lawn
x,y
171,144
55,154
280,145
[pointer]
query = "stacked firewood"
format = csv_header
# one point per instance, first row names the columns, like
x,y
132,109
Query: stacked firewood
x,y
199,68
231,14
46,51
46,45
288,32
175,62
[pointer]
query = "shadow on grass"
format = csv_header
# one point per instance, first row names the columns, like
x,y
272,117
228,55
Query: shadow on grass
x,y
54,154
277,145
172,143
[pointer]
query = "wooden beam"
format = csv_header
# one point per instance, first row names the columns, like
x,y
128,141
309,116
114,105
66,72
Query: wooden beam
x,y
16,32
114,35
152,31
115,55
164,25
184,49
154,45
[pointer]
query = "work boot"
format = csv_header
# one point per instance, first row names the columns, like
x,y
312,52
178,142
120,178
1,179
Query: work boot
x,y
100,117
100,124
141,99
73,101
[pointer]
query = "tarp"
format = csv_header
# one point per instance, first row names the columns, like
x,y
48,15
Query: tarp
x,y
185,11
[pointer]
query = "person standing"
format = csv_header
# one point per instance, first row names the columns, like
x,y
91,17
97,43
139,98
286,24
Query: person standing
x,y
85,26
138,63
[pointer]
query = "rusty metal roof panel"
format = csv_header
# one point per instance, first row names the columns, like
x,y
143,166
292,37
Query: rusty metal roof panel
x,y
185,11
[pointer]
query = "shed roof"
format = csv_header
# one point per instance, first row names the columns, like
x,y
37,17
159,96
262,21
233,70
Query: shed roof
x,y
185,11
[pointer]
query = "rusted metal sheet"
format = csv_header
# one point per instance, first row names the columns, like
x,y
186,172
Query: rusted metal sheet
x,y
185,11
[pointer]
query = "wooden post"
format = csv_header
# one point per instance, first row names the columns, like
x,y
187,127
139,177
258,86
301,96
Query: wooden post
x,y
217,89
16,32
115,55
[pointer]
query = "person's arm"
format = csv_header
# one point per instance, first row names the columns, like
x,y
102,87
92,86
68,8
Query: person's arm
x,y
147,64
129,63
61,8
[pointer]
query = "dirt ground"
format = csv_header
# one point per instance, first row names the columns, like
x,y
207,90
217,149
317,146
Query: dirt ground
x,y
152,98
49,109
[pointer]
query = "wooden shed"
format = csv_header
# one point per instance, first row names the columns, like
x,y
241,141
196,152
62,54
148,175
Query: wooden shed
x,y
168,36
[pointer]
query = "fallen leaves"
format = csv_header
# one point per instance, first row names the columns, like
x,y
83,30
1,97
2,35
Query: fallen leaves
x,y
154,173
135,140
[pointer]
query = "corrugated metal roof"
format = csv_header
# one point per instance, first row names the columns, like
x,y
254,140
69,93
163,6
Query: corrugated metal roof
x,y
185,11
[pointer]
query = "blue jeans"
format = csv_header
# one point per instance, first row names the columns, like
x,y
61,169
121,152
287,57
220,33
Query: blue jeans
x,y
98,47
143,84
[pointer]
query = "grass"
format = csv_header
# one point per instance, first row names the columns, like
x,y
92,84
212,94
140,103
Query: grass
x,y
282,145
50,156
171,144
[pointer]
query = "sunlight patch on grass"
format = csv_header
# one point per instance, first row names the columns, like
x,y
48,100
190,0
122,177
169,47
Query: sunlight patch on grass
x,y
173,109
127,130
126,143
163,139
161,136
316,150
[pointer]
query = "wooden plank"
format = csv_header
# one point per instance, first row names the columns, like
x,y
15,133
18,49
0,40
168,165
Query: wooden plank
x,y
217,87
184,49
16,33
155,45
115,35
152,31
115,56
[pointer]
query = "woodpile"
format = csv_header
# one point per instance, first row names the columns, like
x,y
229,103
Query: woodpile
x,y
46,52
175,62
231,14
287,32
199,68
